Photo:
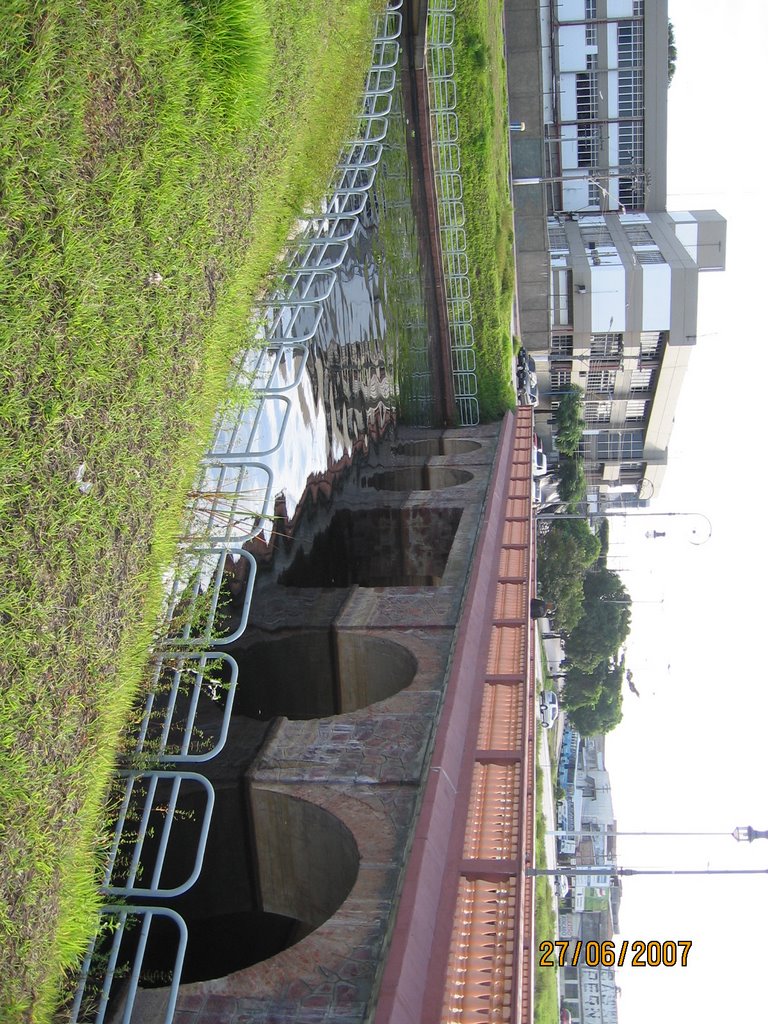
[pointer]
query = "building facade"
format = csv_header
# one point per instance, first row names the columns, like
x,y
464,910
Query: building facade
x,y
619,272
589,994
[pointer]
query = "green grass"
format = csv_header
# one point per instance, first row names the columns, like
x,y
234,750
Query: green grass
x,y
143,203
546,999
236,53
396,249
483,130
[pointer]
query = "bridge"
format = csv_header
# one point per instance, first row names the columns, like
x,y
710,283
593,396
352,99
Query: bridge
x,y
373,812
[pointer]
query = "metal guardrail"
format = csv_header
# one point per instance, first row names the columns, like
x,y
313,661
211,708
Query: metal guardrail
x,y
449,187
229,504
119,980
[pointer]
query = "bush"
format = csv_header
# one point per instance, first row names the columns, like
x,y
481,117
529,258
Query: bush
x,y
570,421
572,481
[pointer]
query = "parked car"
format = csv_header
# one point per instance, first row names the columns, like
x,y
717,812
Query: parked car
x,y
528,389
538,460
562,888
527,381
549,708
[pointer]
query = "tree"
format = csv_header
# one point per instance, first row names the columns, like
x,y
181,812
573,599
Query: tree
x,y
565,552
570,421
593,700
600,719
604,625
671,53
571,481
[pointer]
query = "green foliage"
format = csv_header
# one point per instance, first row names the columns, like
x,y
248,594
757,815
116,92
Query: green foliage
x,y
483,138
134,235
565,552
232,41
572,481
569,417
594,699
671,53
604,625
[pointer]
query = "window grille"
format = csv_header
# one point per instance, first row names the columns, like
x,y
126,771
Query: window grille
x,y
606,345
619,445
558,241
590,9
649,256
586,95
601,380
651,344
597,412
631,145
588,146
561,345
641,380
638,234
630,40
636,410
631,95
561,380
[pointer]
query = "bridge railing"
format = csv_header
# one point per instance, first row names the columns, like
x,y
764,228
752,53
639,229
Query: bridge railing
x,y
446,155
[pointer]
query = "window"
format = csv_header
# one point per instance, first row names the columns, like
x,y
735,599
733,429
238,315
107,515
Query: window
x,y
619,445
631,101
601,380
590,35
586,95
561,346
631,144
597,412
606,345
557,239
630,38
561,380
636,410
588,146
590,9
645,257
638,234
651,345
641,380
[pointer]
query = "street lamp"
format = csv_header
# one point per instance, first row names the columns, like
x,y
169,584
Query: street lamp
x,y
745,834
742,834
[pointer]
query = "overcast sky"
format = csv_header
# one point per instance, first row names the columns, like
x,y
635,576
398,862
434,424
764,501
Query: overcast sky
x,y
690,753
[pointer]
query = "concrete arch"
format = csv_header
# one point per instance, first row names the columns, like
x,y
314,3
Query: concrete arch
x,y
270,879
306,674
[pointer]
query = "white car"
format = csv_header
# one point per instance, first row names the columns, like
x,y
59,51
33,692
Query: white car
x,y
549,708
538,460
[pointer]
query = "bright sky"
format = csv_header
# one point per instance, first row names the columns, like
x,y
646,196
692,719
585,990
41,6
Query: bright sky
x,y
690,754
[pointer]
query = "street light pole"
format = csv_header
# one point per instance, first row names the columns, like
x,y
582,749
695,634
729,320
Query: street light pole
x,y
610,869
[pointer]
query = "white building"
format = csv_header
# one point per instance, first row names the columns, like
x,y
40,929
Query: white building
x,y
607,279
589,993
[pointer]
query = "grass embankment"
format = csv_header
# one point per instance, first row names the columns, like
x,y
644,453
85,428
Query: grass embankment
x,y
483,137
146,192
546,1005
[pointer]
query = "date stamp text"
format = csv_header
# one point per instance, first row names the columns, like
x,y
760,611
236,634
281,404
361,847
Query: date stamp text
x,y
642,953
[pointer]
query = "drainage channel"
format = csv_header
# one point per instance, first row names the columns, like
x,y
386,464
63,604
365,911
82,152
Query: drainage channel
x,y
232,504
